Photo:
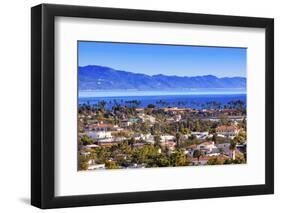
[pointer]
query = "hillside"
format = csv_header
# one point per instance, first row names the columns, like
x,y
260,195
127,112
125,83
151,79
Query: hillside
x,y
95,77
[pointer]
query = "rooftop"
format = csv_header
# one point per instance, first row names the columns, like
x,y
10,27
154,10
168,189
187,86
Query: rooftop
x,y
227,128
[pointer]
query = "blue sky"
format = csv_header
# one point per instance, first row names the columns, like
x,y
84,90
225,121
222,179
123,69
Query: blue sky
x,y
164,59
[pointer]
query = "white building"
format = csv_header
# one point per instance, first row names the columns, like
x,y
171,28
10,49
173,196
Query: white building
x,y
99,134
177,117
227,131
200,135
91,146
125,123
213,154
105,127
83,153
149,138
208,146
164,138
106,140
145,137
148,118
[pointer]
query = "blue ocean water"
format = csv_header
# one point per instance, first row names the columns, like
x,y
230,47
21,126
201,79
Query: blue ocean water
x,y
197,101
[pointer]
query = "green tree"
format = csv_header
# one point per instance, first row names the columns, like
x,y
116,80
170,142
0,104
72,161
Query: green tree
x,y
178,139
83,162
86,140
150,106
239,159
232,148
197,154
178,158
214,138
111,165
228,161
240,138
157,140
132,140
102,154
224,120
214,161
102,104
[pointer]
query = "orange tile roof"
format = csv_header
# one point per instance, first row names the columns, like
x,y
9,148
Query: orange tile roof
x,y
226,128
207,143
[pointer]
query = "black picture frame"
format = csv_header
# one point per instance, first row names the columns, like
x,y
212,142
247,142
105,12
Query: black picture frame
x,y
43,111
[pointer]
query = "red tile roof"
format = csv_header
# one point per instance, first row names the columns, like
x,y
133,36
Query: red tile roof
x,y
225,128
206,143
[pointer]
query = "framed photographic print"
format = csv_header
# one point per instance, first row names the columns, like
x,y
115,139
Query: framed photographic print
x,y
139,106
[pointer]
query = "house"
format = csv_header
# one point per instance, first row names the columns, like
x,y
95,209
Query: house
x,y
107,144
85,154
99,134
229,111
227,131
209,111
177,117
241,148
200,135
128,122
91,146
138,136
204,160
147,118
144,137
106,140
207,146
164,138
134,120
103,131
125,123
139,110
170,120
175,110
104,127
212,154
149,138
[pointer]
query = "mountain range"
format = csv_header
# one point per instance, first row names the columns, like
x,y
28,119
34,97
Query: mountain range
x,y
94,77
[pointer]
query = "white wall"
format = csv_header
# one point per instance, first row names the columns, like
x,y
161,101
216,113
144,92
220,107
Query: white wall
x,y
15,104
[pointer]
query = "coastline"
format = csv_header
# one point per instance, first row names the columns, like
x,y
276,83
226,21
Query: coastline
x,y
186,92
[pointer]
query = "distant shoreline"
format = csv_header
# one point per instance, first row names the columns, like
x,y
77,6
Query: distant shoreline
x,y
118,93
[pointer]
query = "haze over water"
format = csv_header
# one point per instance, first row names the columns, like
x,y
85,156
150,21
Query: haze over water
x,y
192,99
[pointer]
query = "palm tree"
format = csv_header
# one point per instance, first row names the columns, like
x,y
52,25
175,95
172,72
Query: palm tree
x,y
102,105
232,148
157,140
178,139
197,154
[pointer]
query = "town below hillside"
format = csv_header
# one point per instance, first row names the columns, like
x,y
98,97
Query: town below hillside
x,y
127,137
